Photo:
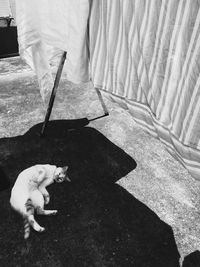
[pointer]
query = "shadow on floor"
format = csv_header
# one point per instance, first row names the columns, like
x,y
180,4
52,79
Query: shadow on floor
x,y
192,260
4,181
99,223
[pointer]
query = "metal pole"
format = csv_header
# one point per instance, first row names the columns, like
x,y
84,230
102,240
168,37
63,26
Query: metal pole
x,y
53,93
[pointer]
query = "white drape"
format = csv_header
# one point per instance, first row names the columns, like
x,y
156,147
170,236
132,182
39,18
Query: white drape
x,y
5,10
44,28
146,55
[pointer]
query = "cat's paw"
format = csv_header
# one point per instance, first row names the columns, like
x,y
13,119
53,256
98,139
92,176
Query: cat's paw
x,y
42,229
54,212
46,199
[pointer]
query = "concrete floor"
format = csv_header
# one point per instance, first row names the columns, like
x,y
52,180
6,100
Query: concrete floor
x,y
159,181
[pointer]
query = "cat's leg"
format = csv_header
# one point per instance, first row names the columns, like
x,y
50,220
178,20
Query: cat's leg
x,y
30,221
41,211
34,224
36,197
38,202
27,229
45,194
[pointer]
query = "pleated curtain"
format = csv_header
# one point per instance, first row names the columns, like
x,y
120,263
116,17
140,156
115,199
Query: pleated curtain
x,y
146,55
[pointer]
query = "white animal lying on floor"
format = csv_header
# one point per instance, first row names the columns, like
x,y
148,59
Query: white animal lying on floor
x,y
29,193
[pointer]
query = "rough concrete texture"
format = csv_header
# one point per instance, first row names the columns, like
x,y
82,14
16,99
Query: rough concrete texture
x,y
159,181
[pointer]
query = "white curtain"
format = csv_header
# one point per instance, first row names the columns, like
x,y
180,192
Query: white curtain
x,y
45,28
146,55
5,10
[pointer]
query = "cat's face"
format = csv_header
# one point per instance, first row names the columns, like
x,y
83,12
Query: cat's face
x,y
61,174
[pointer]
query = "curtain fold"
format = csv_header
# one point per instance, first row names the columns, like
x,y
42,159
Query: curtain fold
x,y
146,55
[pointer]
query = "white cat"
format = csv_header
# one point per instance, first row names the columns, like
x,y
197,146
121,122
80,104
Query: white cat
x,y
29,193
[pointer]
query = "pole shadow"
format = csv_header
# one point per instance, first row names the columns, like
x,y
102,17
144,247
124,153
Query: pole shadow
x,y
99,223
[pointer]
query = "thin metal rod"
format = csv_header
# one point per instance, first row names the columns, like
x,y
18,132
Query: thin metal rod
x,y
106,113
99,117
53,93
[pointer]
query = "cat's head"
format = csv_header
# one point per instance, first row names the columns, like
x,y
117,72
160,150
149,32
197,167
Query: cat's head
x,y
61,174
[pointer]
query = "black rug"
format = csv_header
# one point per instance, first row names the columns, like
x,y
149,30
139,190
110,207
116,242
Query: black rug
x,y
99,223
192,260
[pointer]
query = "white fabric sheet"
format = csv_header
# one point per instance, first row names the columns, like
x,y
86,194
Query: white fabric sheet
x,y
5,10
146,55
46,28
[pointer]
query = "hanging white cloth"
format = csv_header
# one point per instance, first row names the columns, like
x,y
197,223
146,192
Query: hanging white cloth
x,y
45,28
5,10
146,56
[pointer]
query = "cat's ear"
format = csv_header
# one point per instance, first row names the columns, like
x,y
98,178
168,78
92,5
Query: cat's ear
x,y
65,168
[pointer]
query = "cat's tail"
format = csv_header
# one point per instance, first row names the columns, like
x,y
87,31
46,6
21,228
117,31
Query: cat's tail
x,y
27,228
30,211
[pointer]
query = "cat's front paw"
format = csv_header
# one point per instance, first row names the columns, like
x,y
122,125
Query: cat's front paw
x,y
42,229
46,199
54,212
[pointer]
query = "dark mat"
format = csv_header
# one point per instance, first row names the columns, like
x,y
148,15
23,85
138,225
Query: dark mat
x,y
4,181
192,260
99,223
